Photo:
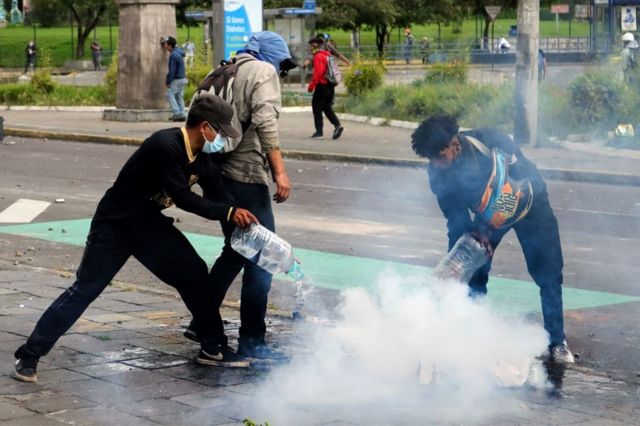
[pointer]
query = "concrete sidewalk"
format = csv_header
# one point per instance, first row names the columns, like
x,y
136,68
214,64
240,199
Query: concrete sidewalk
x,y
365,140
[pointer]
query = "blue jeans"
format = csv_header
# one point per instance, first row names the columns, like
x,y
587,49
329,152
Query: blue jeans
x,y
540,240
175,96
256,282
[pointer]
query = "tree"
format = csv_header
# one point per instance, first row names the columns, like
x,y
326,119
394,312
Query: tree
x,y
353,15
85,13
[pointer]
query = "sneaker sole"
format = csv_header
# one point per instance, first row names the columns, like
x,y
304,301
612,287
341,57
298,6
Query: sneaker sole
x,y
564,360
228,364
191,335
23,378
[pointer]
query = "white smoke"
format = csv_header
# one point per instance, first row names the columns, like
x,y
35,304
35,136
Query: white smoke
x,y
410,352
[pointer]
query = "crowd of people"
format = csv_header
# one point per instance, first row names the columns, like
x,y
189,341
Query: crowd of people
x,y
230,146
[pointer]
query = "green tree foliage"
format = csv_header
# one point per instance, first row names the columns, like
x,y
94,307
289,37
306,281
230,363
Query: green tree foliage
x,y
186,5
85,13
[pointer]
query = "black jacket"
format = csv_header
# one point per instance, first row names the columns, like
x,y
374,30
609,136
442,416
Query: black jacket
x,y
460,187
157,175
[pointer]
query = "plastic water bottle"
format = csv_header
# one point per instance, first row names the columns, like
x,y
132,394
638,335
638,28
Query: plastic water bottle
x,y
462,261
267,250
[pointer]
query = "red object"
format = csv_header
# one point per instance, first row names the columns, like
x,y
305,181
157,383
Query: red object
x,y
320,62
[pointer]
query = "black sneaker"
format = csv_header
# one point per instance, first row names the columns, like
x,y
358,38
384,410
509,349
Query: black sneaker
x,y
191,334
224,357
178,118
26,370
317,135
338,132
261,352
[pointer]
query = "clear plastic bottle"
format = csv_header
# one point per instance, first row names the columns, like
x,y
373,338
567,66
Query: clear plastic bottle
x,y
274,254
462,261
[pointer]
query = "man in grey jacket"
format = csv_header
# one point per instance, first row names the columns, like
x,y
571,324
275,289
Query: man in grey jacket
x,y
245,169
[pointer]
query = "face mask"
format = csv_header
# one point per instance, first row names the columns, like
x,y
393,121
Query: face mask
x,y
216,145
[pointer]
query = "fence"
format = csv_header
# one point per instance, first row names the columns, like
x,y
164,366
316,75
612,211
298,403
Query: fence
x,y
438,52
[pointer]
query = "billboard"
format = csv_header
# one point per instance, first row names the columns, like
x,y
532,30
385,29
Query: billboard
x,y
241,19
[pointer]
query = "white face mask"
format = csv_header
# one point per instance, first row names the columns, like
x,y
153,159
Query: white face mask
x,y
216,145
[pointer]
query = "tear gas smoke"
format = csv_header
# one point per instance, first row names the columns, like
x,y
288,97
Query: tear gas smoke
x,y
411,352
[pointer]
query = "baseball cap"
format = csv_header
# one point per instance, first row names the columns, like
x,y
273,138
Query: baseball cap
x,y
214,110
171,41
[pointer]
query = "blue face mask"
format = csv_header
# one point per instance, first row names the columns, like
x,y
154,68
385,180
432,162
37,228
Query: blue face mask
x,y
216,145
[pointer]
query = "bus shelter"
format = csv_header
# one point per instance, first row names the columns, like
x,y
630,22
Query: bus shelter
x,y
609,20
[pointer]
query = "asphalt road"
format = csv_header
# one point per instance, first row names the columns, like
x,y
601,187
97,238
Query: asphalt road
x,y
373,212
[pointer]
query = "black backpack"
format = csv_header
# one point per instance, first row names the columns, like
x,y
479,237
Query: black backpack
x,y
219,82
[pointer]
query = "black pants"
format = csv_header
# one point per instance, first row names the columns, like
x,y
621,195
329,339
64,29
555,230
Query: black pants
x,y
540,240
256,282
158,245
322,102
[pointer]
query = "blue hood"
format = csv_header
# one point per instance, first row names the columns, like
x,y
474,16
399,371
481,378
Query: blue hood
x,y
269,47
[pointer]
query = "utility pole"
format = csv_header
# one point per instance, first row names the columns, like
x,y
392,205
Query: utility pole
x,y
525,97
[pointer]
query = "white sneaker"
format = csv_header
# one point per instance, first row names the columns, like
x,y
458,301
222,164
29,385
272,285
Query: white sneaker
x,y
561,353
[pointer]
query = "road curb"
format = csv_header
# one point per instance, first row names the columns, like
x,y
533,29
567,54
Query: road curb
x,y
73,137
572,175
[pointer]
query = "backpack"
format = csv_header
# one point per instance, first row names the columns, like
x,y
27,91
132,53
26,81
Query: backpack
x,y
333,74
219,82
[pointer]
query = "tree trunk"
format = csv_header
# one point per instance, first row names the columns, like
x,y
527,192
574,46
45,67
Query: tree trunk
x,y
485,35
84,31
525,98
381,36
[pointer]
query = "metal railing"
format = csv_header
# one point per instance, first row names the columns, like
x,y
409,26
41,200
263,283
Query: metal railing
x,y
437,52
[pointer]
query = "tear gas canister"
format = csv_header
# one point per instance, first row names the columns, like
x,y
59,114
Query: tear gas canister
x,y
462,261
266,249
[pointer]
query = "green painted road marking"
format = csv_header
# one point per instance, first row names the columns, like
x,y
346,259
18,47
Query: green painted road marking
x,y
338,271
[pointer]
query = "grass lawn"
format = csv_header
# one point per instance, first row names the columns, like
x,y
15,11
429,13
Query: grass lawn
x,y
469,32
55,45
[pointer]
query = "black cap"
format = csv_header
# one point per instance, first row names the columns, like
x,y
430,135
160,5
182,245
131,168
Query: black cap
x,y
171,41
214,110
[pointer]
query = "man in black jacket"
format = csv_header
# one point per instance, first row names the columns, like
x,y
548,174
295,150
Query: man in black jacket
x,y
128,222
483,172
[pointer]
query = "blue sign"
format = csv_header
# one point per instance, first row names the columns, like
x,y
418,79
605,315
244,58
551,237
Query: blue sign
x,y
309,4
299,11
241,19
198,16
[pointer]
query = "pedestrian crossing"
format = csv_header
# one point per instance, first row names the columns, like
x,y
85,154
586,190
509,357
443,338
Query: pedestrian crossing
x,y
23,211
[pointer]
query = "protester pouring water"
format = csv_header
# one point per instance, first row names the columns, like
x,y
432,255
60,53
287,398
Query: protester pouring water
x,y
482,172
248,163
129,222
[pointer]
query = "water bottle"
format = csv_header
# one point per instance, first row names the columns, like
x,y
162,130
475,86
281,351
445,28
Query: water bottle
x,y
462,261
267,250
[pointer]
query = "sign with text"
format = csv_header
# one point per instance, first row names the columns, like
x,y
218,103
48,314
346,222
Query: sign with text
x,y
628,19
581,11
241,19
492,11
561,9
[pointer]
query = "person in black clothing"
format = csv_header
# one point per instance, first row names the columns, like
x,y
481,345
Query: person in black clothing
x,y
464,169
30,51
128,222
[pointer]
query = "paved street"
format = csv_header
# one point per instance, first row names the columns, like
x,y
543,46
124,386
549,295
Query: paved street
x,y
348,221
